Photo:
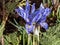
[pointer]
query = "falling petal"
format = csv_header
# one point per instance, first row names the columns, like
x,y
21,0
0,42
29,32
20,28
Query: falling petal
x,y
44,25
42,19
18,10
22,13
47,12
29,28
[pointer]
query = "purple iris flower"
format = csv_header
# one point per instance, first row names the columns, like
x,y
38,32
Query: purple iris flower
x,y
32,15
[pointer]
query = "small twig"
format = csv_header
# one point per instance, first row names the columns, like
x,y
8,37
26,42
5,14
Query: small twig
x,y
5,17
2,40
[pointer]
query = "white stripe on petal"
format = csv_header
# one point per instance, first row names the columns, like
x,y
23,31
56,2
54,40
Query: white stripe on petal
x,y
21,8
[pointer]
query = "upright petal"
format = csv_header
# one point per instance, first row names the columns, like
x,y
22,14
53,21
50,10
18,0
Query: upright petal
x,y
44,25
41,8
44,15
29,28
33,15
47,12
27,7
33,8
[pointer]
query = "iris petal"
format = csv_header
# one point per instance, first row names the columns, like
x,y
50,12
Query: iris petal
x,y
41,8
33,15
33,8
44,25
47,12
27,7
42,19
19,10
36,18
29,28
22,13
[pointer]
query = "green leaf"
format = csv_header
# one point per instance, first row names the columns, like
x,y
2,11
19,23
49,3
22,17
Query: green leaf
x,y
12,39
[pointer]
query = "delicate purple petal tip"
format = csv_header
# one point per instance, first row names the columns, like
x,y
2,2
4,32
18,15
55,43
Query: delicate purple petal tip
x,y
22,13
33,8
47,12
41,6
27,7
18,11
44,25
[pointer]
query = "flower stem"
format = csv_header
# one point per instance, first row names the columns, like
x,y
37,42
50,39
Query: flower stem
x,y
35,40
2,42
23,38
29,39
36,36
